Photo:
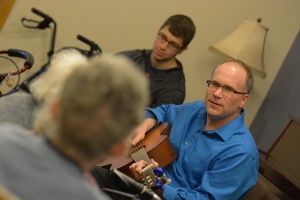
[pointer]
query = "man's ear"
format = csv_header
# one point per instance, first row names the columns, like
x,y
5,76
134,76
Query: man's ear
x,y
244,100
54,109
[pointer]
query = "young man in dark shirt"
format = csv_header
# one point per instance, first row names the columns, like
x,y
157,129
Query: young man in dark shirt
x,y
167,79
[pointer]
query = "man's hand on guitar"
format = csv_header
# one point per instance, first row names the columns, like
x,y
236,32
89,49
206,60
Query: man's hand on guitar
x,y
136,169
138,135
142,129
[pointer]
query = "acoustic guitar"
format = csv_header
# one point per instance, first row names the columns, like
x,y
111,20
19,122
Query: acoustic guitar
x,y
155,146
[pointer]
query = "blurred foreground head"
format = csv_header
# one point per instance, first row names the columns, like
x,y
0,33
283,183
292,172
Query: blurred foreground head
x,y
49,82
99,105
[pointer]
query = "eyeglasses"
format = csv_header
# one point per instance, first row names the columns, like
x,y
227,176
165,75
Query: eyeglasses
x,y
172,45
226,90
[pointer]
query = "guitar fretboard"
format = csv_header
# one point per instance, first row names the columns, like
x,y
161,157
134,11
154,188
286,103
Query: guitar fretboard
x,y
149,177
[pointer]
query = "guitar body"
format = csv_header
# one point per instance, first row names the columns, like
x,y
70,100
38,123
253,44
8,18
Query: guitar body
x,y
157,146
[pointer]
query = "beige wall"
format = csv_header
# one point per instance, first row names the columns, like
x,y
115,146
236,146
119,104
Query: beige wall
x,y
128,24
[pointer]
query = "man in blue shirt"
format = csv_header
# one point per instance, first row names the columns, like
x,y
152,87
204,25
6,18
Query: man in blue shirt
x,y
217,155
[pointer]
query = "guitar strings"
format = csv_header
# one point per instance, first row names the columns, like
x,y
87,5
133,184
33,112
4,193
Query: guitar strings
x,y
142,153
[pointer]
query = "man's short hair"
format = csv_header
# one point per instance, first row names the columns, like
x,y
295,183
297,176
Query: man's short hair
x,y
249,75
181,26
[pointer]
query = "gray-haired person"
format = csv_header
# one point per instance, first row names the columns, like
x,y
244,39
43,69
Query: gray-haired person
x,y
91,115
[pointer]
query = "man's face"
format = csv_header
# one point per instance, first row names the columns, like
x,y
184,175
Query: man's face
x,y
220,104
166,46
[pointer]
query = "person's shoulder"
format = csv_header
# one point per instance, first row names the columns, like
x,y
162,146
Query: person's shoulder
x,y
135,52
11,127
11,132
16,97
195,103
193,106
179,63
16,104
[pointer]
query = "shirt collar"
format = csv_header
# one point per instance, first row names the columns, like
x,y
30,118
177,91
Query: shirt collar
x,y
229,129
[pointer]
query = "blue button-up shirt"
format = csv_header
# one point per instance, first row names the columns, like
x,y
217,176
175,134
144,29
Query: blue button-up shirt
x,y
211,164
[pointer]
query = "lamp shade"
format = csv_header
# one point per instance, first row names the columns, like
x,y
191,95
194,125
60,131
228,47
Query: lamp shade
x,y
245,43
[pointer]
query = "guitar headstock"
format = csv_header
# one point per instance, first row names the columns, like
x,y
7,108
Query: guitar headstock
x,y
154,178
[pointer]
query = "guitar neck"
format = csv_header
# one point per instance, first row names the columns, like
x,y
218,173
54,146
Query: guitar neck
x,y
151,178
155,145
148,174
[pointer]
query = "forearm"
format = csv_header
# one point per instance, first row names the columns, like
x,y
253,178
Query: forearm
x,y
142,129
147,124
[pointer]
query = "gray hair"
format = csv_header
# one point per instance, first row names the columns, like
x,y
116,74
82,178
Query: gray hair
x,y
60,66
100,105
